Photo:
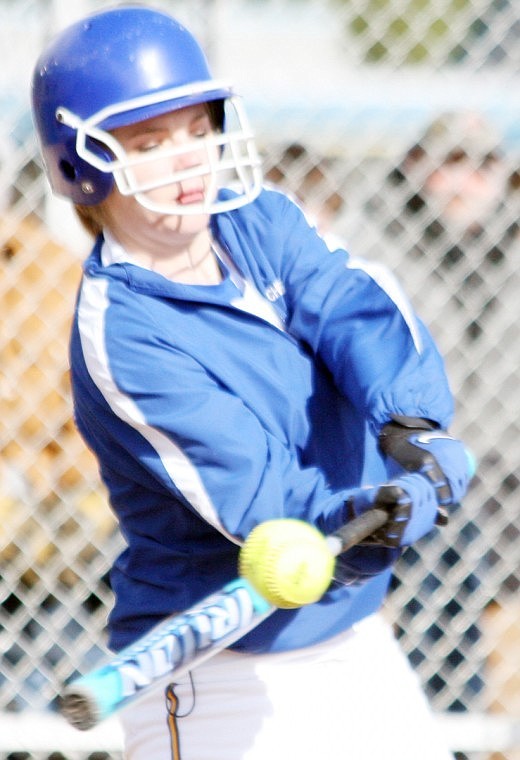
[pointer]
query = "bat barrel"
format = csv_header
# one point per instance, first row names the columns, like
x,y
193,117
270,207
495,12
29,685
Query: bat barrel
x,y
174,646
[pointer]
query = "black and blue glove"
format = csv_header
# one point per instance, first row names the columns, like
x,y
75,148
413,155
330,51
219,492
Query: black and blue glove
x,y
411,504
417,445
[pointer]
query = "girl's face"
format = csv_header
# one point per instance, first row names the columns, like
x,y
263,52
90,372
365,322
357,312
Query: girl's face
x,y
170,162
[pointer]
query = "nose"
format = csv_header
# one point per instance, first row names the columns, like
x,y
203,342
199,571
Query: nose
x,y
188,151
189,158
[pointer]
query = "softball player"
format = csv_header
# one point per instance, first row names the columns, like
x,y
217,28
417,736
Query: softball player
x,y
227,368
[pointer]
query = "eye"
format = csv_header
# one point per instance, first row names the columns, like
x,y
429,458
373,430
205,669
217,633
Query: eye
x,y
147,146
146,142
199,133
201,127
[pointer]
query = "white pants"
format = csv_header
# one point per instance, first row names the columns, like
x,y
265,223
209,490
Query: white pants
x,y
353,697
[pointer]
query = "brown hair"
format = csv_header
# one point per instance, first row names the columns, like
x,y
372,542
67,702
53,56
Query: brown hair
x,y
92,218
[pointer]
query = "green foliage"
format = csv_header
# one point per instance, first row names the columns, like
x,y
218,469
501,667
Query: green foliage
x,y
411,29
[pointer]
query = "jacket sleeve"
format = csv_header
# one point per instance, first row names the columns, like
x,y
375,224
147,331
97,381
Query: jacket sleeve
x,y
355,316
180,433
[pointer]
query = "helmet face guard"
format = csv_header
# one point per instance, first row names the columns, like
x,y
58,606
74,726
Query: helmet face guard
x,y
230,157
122,67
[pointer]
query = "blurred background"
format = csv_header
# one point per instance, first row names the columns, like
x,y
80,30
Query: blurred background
x,y
397,124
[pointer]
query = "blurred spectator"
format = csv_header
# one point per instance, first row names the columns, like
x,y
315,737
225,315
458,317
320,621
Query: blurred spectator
x,y
449,213
448,205
311,181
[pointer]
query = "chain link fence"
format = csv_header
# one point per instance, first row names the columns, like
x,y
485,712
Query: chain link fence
x,y
397,124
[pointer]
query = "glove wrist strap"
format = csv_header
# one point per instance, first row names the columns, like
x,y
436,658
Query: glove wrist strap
x,y
418,423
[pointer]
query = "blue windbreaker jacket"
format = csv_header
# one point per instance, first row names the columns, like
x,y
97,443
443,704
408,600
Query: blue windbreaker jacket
x,y
207,419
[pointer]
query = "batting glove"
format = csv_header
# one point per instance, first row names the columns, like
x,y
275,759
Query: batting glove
x,y
417,445
411,503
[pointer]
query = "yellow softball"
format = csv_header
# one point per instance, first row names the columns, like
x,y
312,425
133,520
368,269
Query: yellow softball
x,y
288,562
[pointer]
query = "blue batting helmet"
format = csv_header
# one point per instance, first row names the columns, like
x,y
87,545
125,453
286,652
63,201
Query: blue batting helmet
x,y
115,68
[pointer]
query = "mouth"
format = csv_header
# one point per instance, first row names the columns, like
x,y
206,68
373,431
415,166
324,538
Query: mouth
x,y
191,195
